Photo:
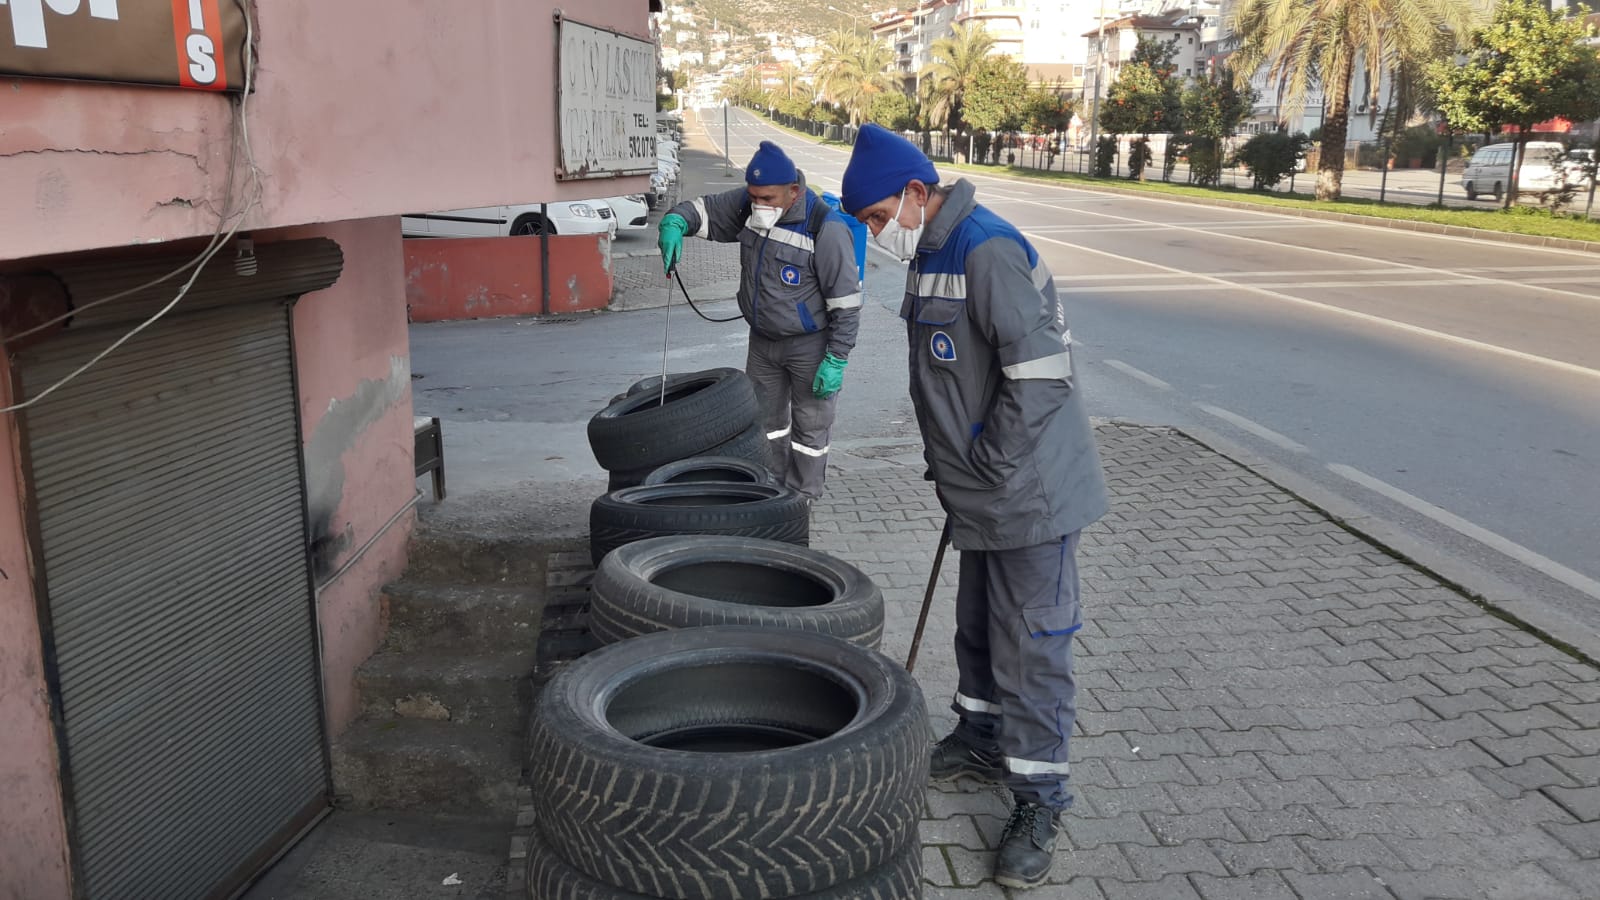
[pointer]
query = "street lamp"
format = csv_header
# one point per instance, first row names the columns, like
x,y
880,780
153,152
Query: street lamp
x,y
1099,64
854,17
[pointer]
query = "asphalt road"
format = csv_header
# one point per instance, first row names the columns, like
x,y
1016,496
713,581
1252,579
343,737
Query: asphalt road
x,y
1450,386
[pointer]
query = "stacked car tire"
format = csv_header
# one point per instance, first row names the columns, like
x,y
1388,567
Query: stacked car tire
x,y
728,763
709,413
669,473
736,735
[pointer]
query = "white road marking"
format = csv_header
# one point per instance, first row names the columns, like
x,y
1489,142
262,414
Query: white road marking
x,y
1139,374
1288,285
1304,273
1519,355
1158,226
1296,248
1259,430
1573,579
1277,273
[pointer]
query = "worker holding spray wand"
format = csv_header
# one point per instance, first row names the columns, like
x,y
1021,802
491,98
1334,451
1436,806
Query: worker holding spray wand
x,y
800,292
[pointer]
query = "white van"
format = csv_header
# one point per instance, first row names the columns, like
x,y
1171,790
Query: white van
x,y
1489,169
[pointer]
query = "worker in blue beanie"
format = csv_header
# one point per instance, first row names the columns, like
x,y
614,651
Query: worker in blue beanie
x,y
800,294
1012,455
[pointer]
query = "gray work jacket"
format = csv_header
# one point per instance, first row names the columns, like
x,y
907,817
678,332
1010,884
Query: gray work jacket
x,y
1004,428
791,282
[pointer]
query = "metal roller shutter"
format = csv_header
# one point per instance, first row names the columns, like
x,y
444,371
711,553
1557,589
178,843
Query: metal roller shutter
x,y
168,493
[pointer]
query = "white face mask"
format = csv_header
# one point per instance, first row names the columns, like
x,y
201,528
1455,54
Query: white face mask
x,y
898,239
762,218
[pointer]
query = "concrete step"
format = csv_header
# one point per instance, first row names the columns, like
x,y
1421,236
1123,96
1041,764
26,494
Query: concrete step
x,y
490,689
431,616
443,768
393,855
456,555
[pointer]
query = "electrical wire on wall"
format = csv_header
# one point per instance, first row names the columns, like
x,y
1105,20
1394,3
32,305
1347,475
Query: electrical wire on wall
x,y
228,224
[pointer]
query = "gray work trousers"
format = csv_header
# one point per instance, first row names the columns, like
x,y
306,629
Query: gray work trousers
x,y
1016,613
797,421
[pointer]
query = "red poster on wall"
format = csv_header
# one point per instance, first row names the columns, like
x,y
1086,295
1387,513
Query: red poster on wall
x,y
196,44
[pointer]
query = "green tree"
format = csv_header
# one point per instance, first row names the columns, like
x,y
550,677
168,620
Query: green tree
x,y
1271,156
1212,111
853,71
1047,110
1303,43
893,110
956,63
1526,66
1135,104
1162,58
792,84
745,90
996,99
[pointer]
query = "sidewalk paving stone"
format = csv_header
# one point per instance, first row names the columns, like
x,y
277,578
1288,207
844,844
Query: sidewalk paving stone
x,y
1313,718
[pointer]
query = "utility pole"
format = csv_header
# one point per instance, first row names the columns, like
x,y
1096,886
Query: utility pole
x,y
727,159
1099,64
855,18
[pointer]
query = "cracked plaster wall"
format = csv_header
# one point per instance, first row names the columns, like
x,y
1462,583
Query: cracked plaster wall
x,y
430,111
354,367
33,838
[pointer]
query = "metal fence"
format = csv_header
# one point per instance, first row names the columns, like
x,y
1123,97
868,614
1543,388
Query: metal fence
x,y
1059,152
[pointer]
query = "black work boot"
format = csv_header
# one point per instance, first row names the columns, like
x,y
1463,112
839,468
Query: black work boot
x,y
1028,846
954,758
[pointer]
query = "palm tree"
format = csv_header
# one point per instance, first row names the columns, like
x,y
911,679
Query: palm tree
x,y
853,70
1303,42
957,60
791,85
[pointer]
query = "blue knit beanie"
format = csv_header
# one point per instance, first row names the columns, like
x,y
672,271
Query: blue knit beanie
x,y
770,166
881,165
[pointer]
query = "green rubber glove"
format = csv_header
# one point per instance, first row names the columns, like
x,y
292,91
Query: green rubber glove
x,y
830,376
670,239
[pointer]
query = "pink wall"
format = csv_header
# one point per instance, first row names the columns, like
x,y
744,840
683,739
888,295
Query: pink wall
x,y
33,839
354,359
355,100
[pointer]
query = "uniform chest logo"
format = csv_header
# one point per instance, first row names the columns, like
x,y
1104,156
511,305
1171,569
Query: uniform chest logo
x,y
944,349
790,275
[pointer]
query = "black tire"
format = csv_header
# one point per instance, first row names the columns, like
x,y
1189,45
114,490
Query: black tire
x,y
657,510
1471,194
729,763
531,225
711,468
1499,192
702,411
551,878
692,581
648,382
750,445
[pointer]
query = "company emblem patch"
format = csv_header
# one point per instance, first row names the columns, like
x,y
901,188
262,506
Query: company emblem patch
x,y
944,349
790,275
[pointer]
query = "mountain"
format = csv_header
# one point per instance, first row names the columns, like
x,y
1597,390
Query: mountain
x,y
799,16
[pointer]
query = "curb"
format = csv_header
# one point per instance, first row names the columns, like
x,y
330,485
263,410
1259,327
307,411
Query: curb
x,y
1483,589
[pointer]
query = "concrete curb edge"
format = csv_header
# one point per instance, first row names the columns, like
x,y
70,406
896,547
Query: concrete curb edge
x,y
1484,589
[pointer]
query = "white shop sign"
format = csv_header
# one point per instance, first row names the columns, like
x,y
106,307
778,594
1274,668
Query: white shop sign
x,y
606,95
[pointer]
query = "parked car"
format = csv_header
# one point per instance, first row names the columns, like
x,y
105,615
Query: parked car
x,y
561,217
1578,165
660,188
631,212
1489,169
